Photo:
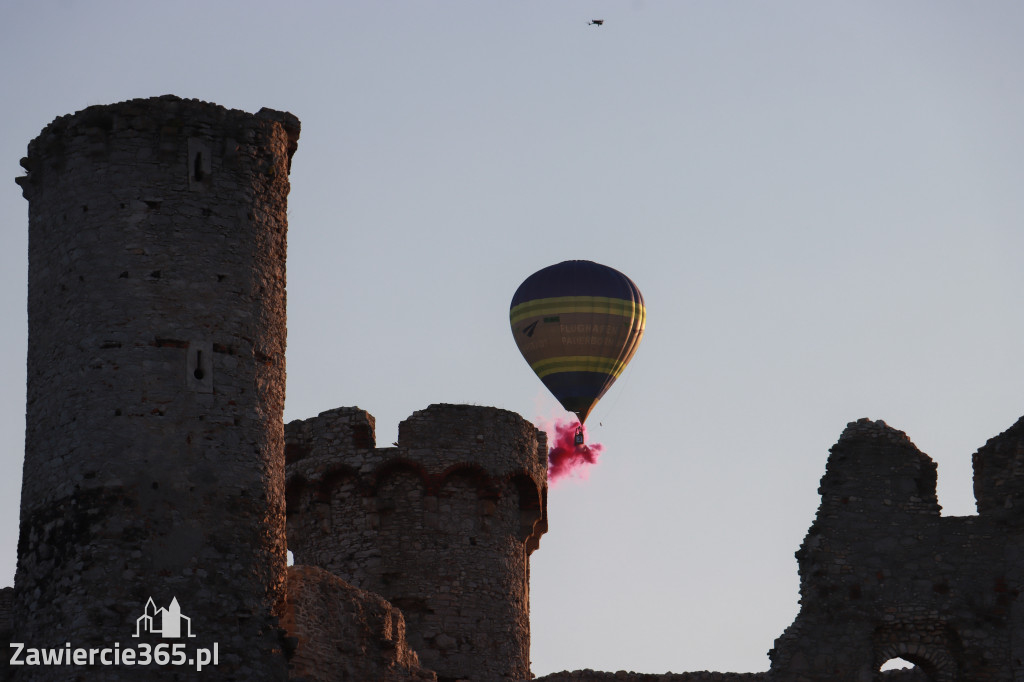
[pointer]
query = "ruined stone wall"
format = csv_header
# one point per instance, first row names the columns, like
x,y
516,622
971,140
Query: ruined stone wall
x,y
155,463
156,350
999,492
441,525
883,576
340,633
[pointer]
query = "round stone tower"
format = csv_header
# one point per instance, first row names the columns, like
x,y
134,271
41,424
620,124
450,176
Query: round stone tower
x,y
154,435
442,526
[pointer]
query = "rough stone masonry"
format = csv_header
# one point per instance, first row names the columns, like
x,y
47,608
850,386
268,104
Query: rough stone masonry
x,y
154,455
442,525
155,464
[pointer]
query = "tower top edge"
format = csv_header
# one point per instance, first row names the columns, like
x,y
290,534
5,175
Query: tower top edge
x,y
162,108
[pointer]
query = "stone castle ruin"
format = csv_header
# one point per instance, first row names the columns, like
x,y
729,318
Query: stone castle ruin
x,y
158,467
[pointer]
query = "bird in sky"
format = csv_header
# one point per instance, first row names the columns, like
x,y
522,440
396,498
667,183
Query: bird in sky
x,y
596,22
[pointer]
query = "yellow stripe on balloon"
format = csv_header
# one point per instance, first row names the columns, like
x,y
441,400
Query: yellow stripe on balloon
x,y
579,363
564,305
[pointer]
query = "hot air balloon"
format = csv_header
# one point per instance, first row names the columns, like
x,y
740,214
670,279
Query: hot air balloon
x,y
578,324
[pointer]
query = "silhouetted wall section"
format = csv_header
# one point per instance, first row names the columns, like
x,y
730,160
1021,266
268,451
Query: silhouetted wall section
x,y
883,576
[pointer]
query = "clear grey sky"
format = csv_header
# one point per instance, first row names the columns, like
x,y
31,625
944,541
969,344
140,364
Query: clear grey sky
x,y
820,200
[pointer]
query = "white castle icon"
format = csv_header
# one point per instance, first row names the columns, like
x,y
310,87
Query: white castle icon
x,y
164,622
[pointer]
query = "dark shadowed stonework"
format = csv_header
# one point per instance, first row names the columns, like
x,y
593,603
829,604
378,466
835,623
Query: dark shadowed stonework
x,y
441,525
155,464
339,632
156,351
882,575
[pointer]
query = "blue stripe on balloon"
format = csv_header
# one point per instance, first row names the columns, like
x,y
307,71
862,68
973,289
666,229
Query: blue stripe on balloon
x,y
577,278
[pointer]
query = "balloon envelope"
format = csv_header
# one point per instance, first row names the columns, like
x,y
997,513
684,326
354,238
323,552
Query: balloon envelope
x,y
578,324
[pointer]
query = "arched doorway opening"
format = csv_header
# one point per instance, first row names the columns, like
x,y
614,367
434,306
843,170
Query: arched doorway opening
x,y
899,669
919,647
915,663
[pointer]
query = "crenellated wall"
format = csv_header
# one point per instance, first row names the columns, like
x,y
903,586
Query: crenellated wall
x,y
442,525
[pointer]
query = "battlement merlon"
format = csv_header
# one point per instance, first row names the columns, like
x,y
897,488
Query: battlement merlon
x,y
999,476
438,439
876,470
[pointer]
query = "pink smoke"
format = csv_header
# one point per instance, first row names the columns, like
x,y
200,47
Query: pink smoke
x,y
565,458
